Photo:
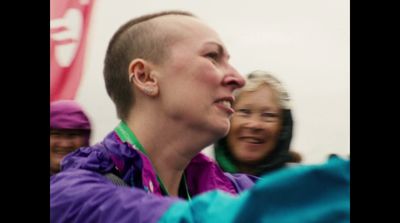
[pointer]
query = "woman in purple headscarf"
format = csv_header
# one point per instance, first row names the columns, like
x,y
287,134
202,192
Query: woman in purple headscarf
x,y
69,130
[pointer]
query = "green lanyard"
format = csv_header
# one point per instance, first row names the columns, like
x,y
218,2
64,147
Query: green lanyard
x,y
126,135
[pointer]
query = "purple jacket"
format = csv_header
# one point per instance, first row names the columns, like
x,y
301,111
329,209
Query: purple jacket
x,y
80,193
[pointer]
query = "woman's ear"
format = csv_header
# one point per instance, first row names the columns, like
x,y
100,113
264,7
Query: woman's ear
x,y
142,75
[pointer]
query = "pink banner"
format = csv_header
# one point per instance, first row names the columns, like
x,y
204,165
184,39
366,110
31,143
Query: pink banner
x,y
69,24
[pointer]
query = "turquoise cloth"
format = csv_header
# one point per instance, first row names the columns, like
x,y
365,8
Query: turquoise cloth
x,y
306,194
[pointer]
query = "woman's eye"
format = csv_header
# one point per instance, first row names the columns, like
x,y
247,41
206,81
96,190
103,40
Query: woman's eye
x,y
270,116
243,111
213,55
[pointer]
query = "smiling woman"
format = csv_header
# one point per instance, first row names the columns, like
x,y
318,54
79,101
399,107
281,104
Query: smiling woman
x,y
69,130
261,129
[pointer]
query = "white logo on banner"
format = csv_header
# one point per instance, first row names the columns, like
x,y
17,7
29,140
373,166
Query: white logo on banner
x,y
71,23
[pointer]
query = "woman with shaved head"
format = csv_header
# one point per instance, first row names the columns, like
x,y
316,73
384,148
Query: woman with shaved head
x,y
170,79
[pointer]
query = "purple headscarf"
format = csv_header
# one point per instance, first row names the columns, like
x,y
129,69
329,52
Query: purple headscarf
x,y
67,114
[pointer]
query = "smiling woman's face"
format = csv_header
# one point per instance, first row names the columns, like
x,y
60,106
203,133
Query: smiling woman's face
x,y
63,142
255,125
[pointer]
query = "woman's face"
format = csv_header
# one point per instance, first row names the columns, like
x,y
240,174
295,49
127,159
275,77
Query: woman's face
x,y
197,80
255,126
62,142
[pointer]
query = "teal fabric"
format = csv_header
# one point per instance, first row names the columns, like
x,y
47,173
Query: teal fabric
x,y
313,193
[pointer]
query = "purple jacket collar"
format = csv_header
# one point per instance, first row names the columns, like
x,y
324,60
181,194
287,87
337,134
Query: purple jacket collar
x,y
135,168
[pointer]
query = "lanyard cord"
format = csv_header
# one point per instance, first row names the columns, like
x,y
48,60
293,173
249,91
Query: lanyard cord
x,y
127,135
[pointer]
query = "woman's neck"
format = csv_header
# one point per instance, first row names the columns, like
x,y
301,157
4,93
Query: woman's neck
x,y
169,149
248,169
